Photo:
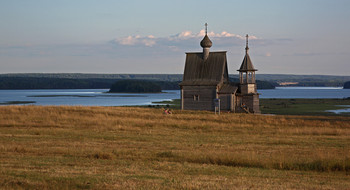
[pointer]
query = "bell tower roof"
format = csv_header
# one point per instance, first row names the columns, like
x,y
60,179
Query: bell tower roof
x,y
247,64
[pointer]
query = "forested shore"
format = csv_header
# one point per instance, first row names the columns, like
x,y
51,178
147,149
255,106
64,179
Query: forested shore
x,y
166,81
87,83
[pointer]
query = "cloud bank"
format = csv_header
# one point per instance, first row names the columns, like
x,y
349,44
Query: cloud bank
x,y
183,39
134,53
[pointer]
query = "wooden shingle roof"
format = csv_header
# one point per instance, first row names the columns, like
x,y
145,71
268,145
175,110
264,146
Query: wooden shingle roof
x,y
228,88
212,71
247,64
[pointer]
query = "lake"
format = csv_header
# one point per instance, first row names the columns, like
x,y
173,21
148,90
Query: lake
x,y
99,97
305,92
85,97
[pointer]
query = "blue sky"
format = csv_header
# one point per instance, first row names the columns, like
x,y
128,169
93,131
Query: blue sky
x,y
134,36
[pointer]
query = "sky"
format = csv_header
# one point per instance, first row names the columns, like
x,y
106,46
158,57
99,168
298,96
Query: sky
x,y
151,37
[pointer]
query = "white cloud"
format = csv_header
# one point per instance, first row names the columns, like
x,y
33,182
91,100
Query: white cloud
x,y
201,33
130,40
225,34
185,34
183,39
136,40
148,42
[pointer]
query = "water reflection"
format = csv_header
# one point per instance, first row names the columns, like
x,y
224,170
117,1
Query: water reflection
x,y
346,110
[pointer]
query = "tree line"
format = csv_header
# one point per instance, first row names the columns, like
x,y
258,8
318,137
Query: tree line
x,y
135,86
347,85
67,83
91,80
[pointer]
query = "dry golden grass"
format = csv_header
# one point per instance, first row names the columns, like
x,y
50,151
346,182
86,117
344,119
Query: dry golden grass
x,y
48,147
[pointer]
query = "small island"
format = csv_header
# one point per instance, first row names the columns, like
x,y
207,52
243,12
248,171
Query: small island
x,y
135,86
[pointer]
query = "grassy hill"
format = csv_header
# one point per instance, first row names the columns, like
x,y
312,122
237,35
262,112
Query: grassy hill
x,y
48,147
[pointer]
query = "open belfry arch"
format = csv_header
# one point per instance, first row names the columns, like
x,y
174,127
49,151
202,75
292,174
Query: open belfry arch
x,y
206,79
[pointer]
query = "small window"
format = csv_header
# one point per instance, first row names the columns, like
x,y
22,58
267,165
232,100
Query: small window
x,y
196,97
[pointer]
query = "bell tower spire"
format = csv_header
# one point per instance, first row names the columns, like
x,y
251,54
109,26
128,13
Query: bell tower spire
x,y
246,46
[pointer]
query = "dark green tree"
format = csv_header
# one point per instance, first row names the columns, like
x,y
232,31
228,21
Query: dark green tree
x,y
135,86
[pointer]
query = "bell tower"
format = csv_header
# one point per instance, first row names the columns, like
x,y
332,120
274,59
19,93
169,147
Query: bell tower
x,y
248,98
247,73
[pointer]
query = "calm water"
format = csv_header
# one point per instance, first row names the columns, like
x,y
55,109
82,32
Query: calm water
x,y
85,97
338,111
98,97
305,92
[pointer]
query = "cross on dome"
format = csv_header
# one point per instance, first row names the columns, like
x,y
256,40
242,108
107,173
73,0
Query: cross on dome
x,y
206,28
206,42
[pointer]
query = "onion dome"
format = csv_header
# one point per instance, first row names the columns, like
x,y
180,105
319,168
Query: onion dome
x,y
206,42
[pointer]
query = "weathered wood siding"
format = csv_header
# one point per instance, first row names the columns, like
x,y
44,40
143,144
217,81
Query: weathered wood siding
x,y
251,101
248,88
225,101
206,95
256,103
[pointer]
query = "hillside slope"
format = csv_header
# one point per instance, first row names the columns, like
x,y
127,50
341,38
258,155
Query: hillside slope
x,y
48,147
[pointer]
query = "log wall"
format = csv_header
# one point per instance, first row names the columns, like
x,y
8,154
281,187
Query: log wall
x,y
206,96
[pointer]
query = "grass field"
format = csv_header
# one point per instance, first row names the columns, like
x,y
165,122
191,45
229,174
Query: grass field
x,y
48,147
289,106
303,106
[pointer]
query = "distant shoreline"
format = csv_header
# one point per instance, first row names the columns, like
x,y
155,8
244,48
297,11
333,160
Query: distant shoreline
x,y
106,80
